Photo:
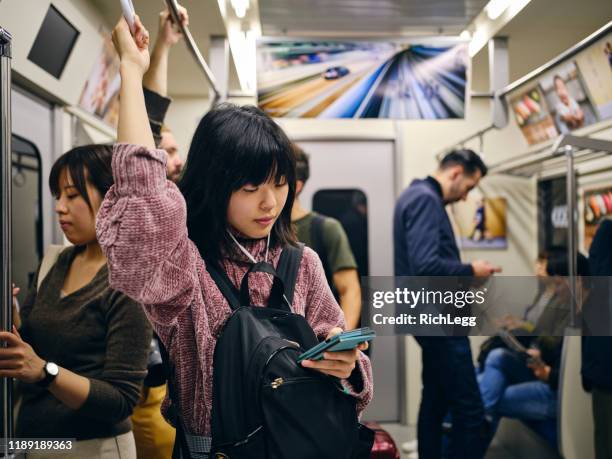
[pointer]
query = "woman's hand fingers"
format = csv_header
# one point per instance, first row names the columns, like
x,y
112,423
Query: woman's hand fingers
x,y
337,368
333,332
343,356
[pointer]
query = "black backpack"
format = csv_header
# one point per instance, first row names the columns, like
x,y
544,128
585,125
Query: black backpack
x,y
266,405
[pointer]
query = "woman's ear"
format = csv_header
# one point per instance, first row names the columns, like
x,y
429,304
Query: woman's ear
x,y
299,185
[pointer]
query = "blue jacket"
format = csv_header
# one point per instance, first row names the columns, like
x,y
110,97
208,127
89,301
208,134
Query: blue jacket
x,y
423,236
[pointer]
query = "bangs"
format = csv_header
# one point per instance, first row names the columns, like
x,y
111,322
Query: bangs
x,y
69,166
265,160
85,164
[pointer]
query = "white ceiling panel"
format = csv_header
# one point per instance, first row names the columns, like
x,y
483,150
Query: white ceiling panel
x,y
351,18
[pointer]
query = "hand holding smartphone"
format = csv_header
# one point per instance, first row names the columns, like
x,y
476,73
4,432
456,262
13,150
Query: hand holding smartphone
x,y
342,342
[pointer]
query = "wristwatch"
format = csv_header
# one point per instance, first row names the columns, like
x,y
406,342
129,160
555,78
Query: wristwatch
x,y
51,370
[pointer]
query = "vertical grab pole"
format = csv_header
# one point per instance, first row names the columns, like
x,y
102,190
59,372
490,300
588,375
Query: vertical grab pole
x,y
572,233
6,297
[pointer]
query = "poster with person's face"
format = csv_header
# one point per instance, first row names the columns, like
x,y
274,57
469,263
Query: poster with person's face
x,y
481,222
100,95
532,116
567,98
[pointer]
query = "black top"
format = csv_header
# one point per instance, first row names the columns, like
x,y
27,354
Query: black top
x,y
157,106
95,332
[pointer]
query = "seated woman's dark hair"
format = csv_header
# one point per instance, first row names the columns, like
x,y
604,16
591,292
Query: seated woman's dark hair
x,y
87,163
232,147
558,264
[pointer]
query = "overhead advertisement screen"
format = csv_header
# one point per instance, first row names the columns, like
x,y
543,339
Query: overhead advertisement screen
x,y
339,79
574,94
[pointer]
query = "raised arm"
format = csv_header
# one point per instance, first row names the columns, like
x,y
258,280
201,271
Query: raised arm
x,y
141,225
133,125
156,78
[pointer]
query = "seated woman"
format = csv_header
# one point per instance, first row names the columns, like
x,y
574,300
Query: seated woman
x,y
81,352
525,386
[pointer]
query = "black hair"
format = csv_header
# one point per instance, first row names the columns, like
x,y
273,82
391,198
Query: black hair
x,y
302,164
234,146
89,163
558,264
467,158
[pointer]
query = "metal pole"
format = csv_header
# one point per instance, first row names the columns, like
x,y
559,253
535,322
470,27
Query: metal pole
x,y
5,211
572,240
194,50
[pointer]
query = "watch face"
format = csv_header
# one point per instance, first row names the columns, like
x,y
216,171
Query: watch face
x,y
52,368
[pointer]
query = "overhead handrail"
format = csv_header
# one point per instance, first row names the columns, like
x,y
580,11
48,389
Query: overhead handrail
x,y
193,48
557,60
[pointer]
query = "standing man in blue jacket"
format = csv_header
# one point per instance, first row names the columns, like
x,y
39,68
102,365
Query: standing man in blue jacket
x,y
425,246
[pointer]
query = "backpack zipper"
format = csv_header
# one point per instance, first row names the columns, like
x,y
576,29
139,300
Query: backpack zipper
x,y
281,381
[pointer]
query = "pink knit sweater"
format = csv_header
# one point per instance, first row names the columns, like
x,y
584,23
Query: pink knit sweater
x,y
141,227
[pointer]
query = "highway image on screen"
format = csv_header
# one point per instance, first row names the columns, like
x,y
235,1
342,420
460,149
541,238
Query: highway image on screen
x,y
327,79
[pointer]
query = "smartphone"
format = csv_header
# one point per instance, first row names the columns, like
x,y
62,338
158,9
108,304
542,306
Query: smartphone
x,y
342,342
129,13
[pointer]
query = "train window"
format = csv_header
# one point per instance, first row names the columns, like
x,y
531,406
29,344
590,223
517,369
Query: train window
x,y
350,208
27,211
53,43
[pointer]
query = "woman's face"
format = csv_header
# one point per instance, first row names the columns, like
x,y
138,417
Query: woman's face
x,y
253,209
77,220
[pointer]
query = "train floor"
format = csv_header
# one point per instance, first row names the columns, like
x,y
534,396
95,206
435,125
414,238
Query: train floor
x,y
503,446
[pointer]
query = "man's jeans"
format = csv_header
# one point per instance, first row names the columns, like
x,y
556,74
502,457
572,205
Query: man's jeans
x,y
449,384
509,388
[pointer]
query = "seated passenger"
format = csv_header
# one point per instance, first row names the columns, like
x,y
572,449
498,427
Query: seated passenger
x,y
326,236
81,352
525,387
233,207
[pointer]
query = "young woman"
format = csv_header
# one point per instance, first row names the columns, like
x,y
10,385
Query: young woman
x,y
81,352
233,207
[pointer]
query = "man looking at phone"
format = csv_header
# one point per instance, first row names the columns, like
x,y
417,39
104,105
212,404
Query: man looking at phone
x,y
424,245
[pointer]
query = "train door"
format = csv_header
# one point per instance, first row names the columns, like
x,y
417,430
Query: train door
x,y
354,182
32,206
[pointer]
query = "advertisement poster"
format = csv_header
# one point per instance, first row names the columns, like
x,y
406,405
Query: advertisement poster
x,y
597,207
100,95
533,117
481,222
568,99
595,64
330,79
572,95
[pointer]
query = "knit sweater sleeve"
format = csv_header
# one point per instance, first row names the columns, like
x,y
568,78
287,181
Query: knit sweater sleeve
x,y
323,313
141,227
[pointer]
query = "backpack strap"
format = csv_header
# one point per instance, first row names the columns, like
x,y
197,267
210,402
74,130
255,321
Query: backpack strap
x,y
229,291
289,267
51,256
